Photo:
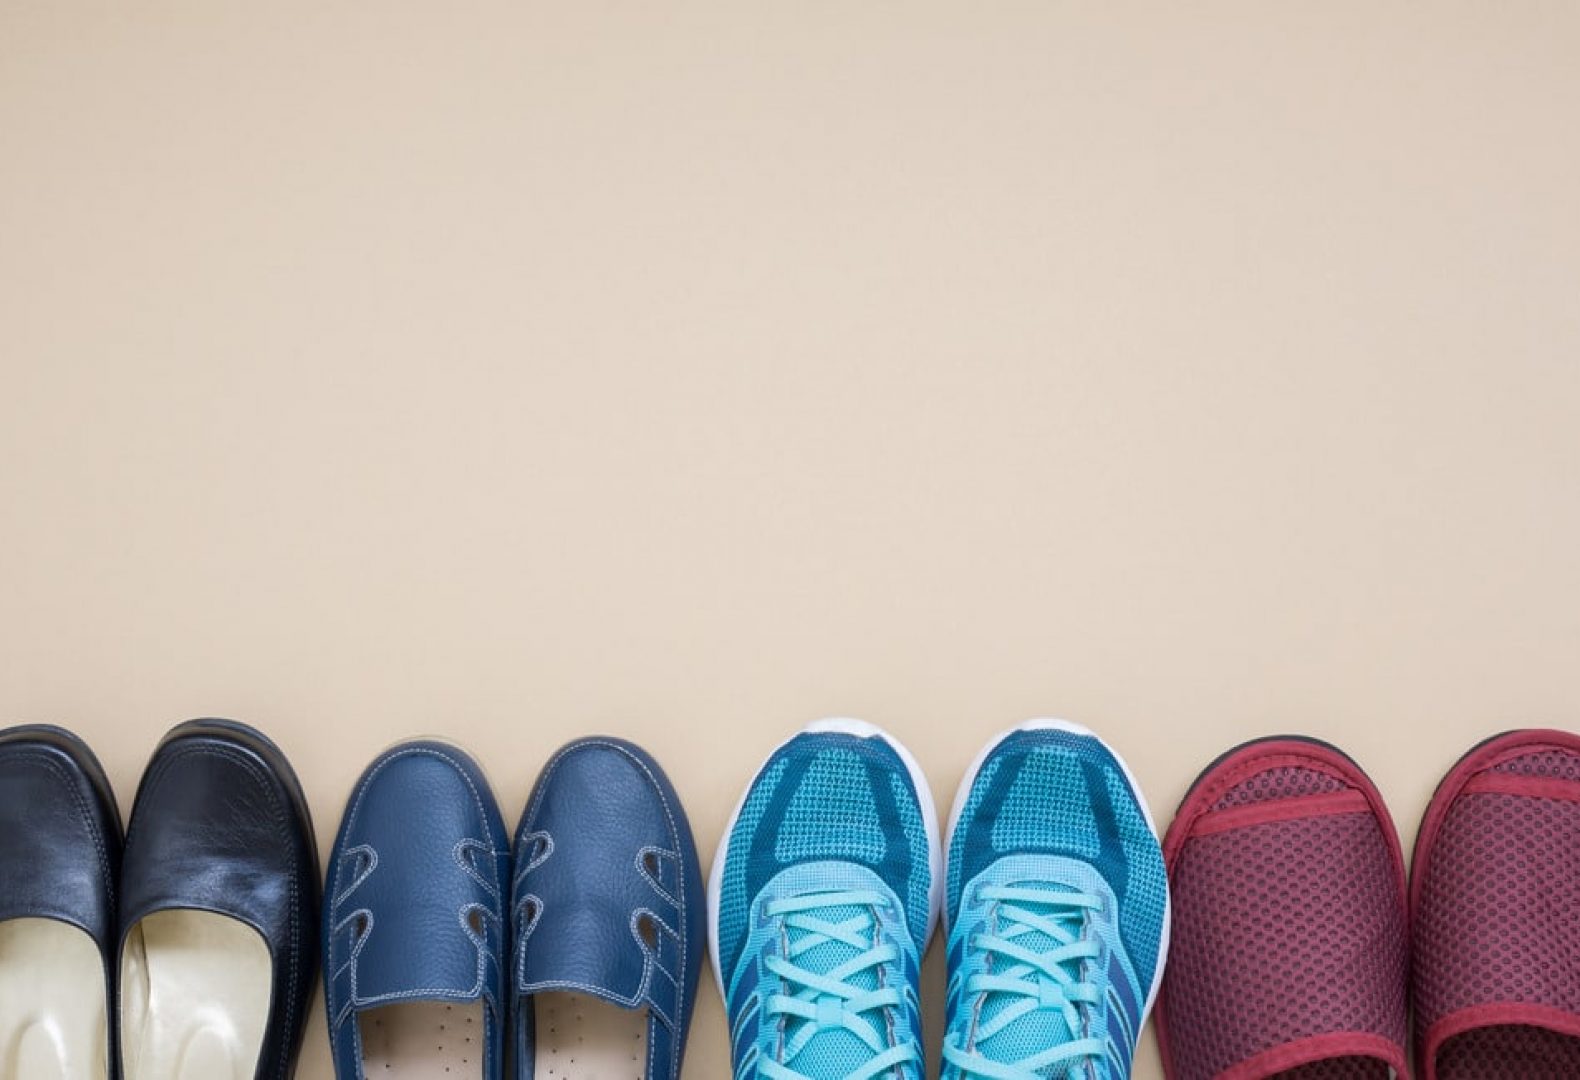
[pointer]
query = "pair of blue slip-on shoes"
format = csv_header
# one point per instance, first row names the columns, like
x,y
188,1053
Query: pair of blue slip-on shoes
x,y
573,953
831,876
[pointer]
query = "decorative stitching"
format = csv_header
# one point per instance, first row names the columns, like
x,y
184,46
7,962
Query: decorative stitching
x,y
47,759
481,988
365,872
540,855
675,838
458,853
657,885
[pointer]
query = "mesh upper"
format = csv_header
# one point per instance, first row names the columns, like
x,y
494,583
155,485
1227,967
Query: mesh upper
x,y
1285,930
826,796
1509,1052
1281,782
1054,793
1498,921
1558,764
834,789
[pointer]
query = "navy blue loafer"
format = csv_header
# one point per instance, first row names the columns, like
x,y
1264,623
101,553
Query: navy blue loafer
x,y
219,899
607,910
60,852
414,930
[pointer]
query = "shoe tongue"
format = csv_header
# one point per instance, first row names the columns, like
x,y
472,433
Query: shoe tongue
x,y
1037,1030
829,1054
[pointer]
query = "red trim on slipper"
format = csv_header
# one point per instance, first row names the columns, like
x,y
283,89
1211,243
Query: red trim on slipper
x,y
1298,808
1530,787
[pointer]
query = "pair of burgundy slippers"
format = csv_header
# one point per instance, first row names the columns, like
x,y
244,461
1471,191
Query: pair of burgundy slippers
x,y
1299,945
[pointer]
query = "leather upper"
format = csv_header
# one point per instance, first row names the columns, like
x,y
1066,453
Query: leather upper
x,y
60,832
607,897
220,825
416,897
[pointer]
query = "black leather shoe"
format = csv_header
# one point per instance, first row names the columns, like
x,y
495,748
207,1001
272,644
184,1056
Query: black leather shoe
x,y
219,908
60,850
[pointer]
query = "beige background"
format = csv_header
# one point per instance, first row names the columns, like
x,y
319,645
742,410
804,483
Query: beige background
x,y
692,370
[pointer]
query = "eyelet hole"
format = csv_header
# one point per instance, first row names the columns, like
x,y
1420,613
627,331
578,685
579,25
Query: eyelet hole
x,y
650,862
474,919
647,929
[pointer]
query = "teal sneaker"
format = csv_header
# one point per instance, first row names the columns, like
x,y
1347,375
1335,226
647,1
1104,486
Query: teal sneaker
x,y
822,898
1058,911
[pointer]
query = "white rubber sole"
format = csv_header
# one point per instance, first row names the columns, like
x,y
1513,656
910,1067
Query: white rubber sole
x,y
963,793
935,860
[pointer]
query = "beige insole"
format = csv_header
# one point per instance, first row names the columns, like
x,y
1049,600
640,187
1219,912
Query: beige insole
x,y
53,1012
423,1040
585,1038
194,998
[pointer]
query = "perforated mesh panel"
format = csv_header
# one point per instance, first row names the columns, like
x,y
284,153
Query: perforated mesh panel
x,y
1282,931
1510,1052
1039,804
1284,782
1499,921
1558,764
832,814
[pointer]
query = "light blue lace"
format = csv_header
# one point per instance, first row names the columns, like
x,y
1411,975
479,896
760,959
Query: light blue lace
x,y
828,1001
1036,980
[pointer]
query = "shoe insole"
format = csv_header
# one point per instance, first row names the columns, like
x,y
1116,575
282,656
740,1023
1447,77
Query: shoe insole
x,y
195,990
423,1040
54,1019
585,1038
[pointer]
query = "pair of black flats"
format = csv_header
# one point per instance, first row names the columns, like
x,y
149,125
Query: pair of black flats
x,y
185,952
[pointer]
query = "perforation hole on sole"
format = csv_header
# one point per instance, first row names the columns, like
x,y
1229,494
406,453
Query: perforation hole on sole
x,y
422,1040
582,1038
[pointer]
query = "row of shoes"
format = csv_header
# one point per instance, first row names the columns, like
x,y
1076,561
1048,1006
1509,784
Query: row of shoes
x,y
188,949
1276,919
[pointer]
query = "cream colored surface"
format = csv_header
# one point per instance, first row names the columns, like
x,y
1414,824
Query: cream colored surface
x,y
195,992
692,370
422,1040
52,1002
582,1038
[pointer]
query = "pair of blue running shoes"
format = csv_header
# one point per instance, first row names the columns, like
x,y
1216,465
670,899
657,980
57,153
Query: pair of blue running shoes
x,y
831,878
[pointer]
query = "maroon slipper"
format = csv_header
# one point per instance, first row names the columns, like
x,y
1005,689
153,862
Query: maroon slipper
x,y
1289,948
1495,903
